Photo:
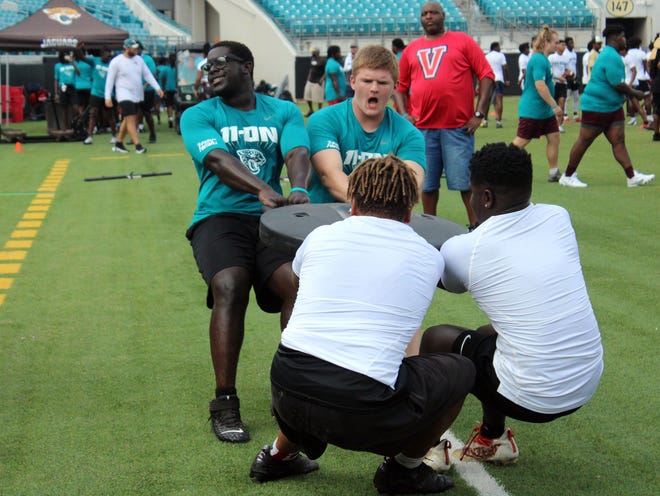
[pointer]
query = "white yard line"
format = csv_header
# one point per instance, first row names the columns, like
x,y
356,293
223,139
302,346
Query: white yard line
x,y
474,473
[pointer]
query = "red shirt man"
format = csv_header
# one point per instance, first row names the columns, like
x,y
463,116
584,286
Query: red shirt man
x,y
436,93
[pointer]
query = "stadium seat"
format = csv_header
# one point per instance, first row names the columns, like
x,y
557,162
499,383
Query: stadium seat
x,y
347,18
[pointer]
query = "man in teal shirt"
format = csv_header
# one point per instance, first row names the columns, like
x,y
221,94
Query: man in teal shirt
x,y
167,78
239,141
362,127
335,82
146,107
83,79
97,96
602,111
65,90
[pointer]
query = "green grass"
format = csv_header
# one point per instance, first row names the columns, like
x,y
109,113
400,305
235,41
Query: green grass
x,y
105,373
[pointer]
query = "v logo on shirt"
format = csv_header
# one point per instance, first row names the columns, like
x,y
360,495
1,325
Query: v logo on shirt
x,y
429,60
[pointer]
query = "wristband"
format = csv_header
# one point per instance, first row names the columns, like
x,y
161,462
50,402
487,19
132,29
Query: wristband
x,y
302,190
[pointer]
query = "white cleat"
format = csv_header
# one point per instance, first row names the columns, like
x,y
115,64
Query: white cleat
x,y
571,181
640,179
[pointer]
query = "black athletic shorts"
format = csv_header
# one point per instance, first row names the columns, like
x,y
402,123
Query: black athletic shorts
x,y
317,403
656,103
83,97
232,240
480,348
96,101
169,98
560,90
128,107
573,84
68,96
147,104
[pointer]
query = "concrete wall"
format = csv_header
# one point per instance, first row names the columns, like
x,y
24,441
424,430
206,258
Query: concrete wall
x,y
243,21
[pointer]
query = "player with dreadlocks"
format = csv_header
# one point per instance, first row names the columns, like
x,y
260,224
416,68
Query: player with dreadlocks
x,y
383,188
339,375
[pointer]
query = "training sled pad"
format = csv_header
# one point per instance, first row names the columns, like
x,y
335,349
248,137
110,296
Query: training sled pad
x,y
285,228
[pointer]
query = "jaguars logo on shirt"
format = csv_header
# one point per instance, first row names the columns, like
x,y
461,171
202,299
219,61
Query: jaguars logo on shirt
x,y
63,15
252,159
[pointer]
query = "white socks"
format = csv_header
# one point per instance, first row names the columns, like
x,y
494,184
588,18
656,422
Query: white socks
x,y
408,462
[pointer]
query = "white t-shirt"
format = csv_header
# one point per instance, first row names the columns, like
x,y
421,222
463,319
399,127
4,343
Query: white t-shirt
x,y
523,271
559,64
637,58
365,286
572,60
125,76
348,63
629,64
585,68
523,60
497,62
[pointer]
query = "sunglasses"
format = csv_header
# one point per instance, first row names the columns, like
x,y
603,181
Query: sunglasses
x,y
220,62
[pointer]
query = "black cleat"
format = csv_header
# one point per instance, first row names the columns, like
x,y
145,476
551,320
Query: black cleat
x,y
226,420
392,478
265,468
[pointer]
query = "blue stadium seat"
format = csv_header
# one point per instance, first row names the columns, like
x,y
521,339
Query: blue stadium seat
x,y
349,17
563,12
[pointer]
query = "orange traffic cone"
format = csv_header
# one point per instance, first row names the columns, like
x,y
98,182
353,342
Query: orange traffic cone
x,y
19,146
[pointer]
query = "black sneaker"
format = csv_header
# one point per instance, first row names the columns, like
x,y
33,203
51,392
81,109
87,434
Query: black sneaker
x,y
119,147
656,136
140,149
226,420
392,478
265,468
152,139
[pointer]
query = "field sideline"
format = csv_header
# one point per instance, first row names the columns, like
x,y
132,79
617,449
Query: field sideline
x,y
105,373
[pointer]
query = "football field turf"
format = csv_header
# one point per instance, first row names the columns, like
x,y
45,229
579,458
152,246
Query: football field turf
x,y
105,373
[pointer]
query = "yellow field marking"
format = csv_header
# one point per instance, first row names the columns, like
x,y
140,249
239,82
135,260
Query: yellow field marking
x,y
9,268
18,243
27,228
26,224
12,255
24,233
32,216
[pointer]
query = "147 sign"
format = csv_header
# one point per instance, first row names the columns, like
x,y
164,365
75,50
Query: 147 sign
x,y
619,8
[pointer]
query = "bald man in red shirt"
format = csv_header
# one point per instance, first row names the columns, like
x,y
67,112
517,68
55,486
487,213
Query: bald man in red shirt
x,y
436,93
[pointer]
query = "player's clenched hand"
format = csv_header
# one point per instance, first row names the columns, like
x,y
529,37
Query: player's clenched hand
x,y
297,197
271,198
